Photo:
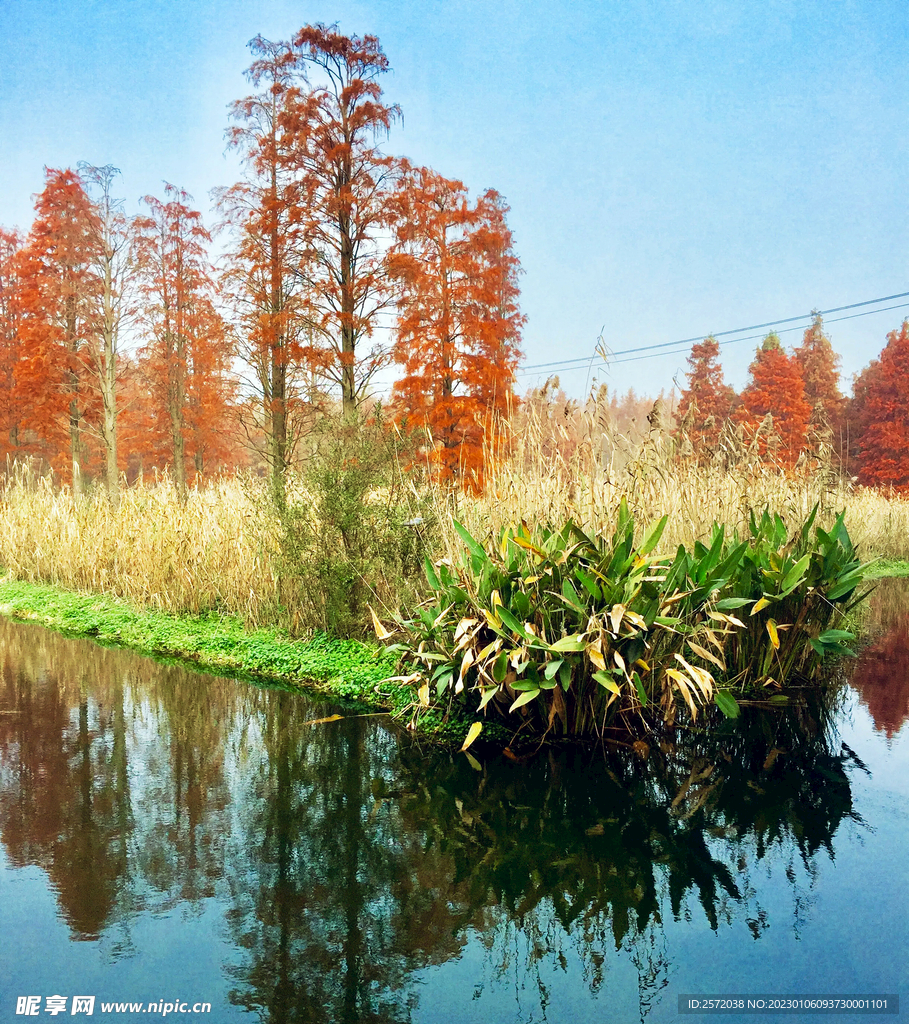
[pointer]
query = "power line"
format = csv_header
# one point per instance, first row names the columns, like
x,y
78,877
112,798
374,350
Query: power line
x,y
722,334
590,361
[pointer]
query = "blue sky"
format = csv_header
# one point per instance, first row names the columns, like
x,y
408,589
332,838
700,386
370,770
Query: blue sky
x,y
673,167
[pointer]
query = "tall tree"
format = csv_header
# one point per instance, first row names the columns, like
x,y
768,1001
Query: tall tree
x,y
458,328
819,366
775,386
344,183
10,343
186,334
263,275
706,404
112,265
58,304
881,415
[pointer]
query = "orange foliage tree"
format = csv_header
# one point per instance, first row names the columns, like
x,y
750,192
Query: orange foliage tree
x,y
458,328
345,185
818,363
775,386
186,360
881,415
58,313
706,403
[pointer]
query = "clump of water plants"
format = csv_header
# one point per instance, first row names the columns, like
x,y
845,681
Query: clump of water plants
x,y
556,630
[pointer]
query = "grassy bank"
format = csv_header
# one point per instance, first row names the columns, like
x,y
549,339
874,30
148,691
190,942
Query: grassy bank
x,y
346,669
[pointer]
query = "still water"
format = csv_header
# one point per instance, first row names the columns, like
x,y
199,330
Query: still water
x,y
167,837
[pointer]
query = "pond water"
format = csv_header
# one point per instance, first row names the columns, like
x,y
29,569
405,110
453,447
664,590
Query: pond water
x,y
172,837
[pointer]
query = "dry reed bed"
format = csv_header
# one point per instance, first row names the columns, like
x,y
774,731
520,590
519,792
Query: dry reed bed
x,y
218,549
561,468
213,551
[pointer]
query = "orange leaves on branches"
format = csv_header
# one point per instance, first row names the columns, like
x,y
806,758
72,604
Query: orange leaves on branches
x,y
458,329
881,409
707,402
776,387
818,364
58,312
186,359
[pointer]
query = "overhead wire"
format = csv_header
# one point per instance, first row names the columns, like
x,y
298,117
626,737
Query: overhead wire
x,y
590,361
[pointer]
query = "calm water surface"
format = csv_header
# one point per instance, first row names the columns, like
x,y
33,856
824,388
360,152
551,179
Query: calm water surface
x,y
169,836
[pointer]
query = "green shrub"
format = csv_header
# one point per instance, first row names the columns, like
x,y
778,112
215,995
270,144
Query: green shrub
x,y
563,631
353,534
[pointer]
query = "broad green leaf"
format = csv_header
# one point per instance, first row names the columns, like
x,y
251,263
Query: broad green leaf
x,y
525,698
590,584
571,597
512,623
488,694
605,679
835,636
794,576
475,548
552,667
845,585
653,535
431,575
500,667
729,604
726,703
639,686
569,643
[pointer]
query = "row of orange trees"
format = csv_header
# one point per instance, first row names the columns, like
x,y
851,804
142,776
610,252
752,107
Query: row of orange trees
x,y
121,342
792,401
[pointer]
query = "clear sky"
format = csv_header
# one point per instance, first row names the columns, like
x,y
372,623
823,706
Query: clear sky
x,y
674,167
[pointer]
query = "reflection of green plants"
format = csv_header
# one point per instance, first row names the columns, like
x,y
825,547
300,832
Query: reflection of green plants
x,y
570,629
353,536
680,820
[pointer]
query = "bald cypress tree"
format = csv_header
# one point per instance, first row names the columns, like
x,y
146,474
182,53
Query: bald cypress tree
x,y
775,386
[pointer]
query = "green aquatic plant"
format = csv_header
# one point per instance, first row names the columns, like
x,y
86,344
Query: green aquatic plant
x,y
558,630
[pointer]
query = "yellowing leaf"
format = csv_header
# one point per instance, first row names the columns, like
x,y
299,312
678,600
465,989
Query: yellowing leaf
x,y
492,619
706,655
684,687
615,616
381,632
463,626
596,658
731,619
322,721
489,649
423,694
760,605
472,734
527,546
774,636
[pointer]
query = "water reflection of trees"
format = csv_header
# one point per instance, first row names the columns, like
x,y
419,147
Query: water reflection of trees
x,y
881,675
348,858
